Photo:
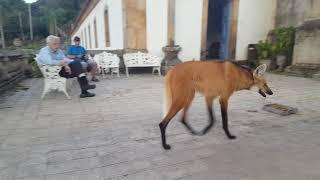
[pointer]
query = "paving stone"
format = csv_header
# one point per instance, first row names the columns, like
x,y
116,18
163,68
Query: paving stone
x,y
31,170
115,135
8,173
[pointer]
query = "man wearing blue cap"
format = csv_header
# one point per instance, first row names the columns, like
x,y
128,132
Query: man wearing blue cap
x,y
78,53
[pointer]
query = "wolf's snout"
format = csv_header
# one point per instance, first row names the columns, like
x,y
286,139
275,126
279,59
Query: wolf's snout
x,y
269,92
262,93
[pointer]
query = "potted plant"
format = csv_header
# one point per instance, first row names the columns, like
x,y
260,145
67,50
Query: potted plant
x,y
283,39
265,53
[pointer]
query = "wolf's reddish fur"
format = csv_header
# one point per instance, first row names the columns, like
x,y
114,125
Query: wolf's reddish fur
x,y
212,79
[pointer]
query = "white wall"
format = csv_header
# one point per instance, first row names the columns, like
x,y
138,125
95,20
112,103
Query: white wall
x,y
256,18
115,24
187,27
188,24
157,25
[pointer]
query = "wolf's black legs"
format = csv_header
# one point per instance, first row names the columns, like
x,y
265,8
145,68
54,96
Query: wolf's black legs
x,y
163,136
211,121
186,124
224,114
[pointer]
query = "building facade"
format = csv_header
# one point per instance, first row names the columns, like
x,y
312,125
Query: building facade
x,y
203,28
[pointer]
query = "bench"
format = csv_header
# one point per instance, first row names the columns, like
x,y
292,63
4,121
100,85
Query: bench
x,y
52,79
107,61
141,60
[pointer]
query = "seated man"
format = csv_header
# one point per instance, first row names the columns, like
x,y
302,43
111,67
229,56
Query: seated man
x,y
52,55
78,53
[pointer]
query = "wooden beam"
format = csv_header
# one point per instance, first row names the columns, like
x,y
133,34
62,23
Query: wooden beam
x,y
233,29
204,30
124,24
171,22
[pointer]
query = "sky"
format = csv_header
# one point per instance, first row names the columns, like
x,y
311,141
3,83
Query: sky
x,y
30,1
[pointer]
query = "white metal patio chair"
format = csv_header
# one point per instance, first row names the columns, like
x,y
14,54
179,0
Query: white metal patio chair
x,y
108,62
52,79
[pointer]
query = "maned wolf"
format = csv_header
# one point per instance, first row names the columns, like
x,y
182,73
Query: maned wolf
x,y
213,79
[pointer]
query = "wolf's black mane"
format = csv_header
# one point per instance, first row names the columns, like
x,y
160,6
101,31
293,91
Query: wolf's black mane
x,y
244,67
247,68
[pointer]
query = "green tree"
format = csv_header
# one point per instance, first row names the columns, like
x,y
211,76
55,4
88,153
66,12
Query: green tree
x,y
9,22
48,13
46,16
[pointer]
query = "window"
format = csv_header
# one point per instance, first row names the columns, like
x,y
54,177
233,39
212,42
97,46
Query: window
x,y
106,28
85,38
89,36
95,33
81,37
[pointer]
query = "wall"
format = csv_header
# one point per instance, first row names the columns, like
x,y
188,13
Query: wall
x,y
188,23
13,67
306,46
305,17
290,13
188,19
296,12
256,18
157,24
188,26
313,10
115,26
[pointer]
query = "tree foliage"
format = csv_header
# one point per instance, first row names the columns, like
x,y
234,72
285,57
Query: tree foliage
x,y
48,12
9,14
45,15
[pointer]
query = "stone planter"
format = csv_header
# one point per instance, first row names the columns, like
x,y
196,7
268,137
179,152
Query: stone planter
x,y
171,57
281,62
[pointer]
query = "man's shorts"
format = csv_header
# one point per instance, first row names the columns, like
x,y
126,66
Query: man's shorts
x,y
87,66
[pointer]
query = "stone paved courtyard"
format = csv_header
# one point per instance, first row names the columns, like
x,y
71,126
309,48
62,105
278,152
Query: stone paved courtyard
x,y
115,135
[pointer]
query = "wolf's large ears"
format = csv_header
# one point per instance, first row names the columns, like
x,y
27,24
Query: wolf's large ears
x,y
260,70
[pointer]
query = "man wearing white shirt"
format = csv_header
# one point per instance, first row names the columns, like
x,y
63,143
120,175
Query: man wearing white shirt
x,y
53,55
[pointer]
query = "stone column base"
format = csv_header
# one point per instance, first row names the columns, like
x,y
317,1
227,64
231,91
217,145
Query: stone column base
x,y
170,59
165,69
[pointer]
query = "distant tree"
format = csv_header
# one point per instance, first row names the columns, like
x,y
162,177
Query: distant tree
x,y
52,23
46,15
9,19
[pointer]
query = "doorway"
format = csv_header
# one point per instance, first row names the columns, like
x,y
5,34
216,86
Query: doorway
x,y
136,31
218,28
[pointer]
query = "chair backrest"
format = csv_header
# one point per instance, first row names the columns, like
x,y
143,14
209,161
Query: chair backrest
x,y
48,71
39,63
51,72
37,60
139,58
